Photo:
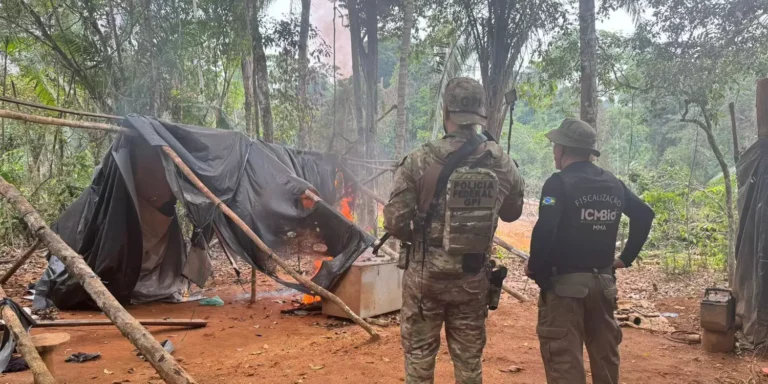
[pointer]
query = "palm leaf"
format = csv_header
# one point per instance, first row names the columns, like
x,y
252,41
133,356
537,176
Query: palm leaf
x,y
448,65
36,76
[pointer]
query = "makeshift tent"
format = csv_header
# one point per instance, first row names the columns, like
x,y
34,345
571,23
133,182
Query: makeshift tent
x,y
750,287
126,226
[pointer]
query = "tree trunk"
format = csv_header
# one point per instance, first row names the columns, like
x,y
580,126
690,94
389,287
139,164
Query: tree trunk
x,y
358,53
728,200
250,98
494,101
402,79
355,37
304,134
734,133
706,126
588,60
372,88
261,72
5,84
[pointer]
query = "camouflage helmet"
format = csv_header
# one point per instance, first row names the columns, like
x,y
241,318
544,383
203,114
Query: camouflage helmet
x,y
464,100
576,134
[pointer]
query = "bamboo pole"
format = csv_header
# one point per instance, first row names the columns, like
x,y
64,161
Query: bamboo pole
x,y
59,109
63,122
762,107
165,365
322,292
23,259
25,345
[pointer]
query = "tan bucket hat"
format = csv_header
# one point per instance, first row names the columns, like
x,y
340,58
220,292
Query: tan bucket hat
x,y
575,133
465,101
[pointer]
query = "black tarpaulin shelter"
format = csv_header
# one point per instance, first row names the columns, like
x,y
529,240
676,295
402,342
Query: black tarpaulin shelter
x,y
126,227
750,286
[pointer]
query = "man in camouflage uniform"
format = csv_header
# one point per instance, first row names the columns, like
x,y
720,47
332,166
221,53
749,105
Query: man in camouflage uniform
x,y
435,291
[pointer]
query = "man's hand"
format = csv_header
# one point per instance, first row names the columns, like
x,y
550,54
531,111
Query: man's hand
x,y
528,271
617,264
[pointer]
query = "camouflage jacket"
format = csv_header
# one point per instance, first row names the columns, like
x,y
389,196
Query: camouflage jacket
x,y
415,180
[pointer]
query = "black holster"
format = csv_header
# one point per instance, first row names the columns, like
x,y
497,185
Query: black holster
x,y
494,288
404,258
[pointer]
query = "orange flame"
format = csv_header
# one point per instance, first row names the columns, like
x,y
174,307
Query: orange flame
x,y
309,299
345,209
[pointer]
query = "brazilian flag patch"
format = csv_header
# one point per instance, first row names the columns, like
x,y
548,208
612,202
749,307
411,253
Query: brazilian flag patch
x,y
548,200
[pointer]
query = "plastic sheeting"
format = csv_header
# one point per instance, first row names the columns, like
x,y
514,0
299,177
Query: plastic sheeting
x,y
750,287
126,228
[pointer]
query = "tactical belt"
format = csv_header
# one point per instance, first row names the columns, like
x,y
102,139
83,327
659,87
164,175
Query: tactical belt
x,y
567,270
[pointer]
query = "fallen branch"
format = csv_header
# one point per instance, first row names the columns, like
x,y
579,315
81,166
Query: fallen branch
x,y
64,122
322,292
192,323
24,344
519,296
165,365
23,259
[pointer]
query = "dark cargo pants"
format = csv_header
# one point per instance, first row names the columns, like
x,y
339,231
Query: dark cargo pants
x,y
578,310
460,303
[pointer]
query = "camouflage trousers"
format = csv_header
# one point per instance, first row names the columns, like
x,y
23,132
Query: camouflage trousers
x,y
578,310
460,303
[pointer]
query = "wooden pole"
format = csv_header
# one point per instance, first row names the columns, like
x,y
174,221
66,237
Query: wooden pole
x,y
25,345
322,292
23,259
59,109
519,296
376,176
159,358
193,323
762,108
736,153
64,122
510,248
253,285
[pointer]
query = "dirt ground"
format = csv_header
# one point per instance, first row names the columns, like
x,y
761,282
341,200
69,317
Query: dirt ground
x,y
257,344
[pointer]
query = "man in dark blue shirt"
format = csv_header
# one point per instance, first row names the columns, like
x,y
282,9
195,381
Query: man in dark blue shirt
x,y
572,258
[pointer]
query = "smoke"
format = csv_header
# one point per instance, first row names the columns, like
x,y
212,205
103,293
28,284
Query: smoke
x,y
321,16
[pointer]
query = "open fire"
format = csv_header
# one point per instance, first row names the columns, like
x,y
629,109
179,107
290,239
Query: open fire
x,y
309,299
346,208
